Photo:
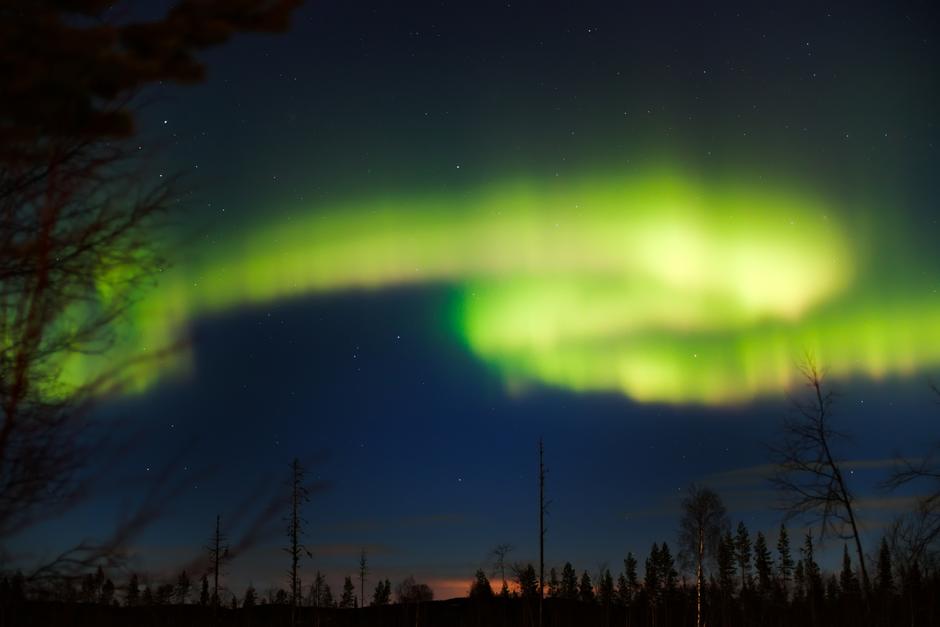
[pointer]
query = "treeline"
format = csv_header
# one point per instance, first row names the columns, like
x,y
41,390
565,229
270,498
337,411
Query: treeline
x,y
750,584
99,589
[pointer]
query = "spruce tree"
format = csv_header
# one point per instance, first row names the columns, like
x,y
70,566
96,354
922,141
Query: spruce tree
x,y
763,564
814,584
364,572
183,586
480,588
569,582
204,593
132,596
605,589
251,597
347,600
742,553
586,589
107,592
383,593
833,591
667,569
885,578
629,570
98,584
848,582
316,589
785,568
652,580
326,596
726,565
528,582
799,582
554,584
88,593
624,593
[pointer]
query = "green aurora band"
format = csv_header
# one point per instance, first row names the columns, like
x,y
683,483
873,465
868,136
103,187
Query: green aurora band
x,y
661,287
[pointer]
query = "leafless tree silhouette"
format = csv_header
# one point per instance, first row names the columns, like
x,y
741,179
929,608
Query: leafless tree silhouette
x,y
295,531
80,220
499,555
915,536
808,474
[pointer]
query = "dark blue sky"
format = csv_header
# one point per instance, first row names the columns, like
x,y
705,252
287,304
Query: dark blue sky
x,y
427,460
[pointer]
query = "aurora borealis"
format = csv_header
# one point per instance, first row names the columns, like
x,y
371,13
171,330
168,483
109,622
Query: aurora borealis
x,y
411,238
658,286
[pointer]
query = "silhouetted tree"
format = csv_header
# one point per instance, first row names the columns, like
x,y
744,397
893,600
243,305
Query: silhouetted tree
x,y
383,593
630,573
363,571
785,568
408,591
742,553
80,219
813,577
348,599
916,535
218,556
833,593
480,588
703,521
763,564
623,595
89,591
848,582
586,589
204,591
605,589
320,593
543,508
183,586
132,595
499,555
808,472
107,593
251,597
885,579
163,594
326,596
569,582
726,565
799,583
554,584
652,578
146,597
667,569
295,531
527,579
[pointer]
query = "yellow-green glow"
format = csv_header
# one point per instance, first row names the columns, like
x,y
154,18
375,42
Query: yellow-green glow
x,y
660,286
714,364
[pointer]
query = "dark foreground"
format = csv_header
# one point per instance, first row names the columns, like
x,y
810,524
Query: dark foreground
x,y
469,613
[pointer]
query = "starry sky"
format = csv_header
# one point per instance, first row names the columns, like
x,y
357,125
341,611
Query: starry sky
x,y
414,238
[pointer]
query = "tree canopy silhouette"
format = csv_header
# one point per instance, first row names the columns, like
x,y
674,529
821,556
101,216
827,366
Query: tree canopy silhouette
x,y
79,221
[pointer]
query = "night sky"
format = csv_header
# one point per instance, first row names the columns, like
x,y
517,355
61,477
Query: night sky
x,y
411,238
